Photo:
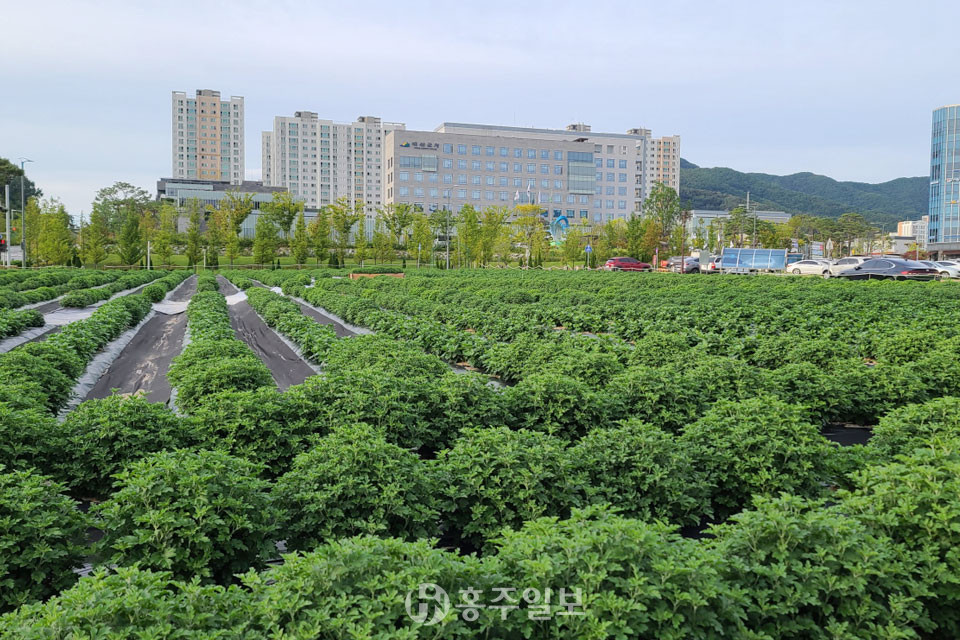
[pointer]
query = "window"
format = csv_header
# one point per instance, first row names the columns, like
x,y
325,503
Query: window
x,y
611,191
475,150
491,166
475,194
461,178
461,193
545,184
544,154
461,163
447,163
557,199
598,204
599,176
531,168
503,152
503,196
621,204
531,183
570,200
558,155
488,150
621,191
584,199
558,184
462,149
545,169
517,153
599,163
622,164
609,204
622,177
476,180
403,176
431,177
447,178
504,181
475,165
517,167
558,169
518,182
491,181
504,166
434,192
447,148
403,191
583,213
418,177
531,153
488,195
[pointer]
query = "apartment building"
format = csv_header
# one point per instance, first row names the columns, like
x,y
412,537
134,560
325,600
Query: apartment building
x,y
916,229
586,176
322,160
207,139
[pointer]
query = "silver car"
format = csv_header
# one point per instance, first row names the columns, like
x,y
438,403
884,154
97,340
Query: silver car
x,y
810,267
844,264
947,268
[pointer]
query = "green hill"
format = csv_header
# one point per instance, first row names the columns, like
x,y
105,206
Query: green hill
x,y
722,188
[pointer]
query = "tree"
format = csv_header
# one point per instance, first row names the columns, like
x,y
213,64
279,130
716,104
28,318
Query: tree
x,y
422,237
634,236
55,245
738,225
32,218
382,242
469,234
129,244
529,230
663,205
573,246
265,240
10,174
397,217
300,249
319,232
493,222
117,200
235,208
218,230
343,217
166,231
95,238
283,210
194,240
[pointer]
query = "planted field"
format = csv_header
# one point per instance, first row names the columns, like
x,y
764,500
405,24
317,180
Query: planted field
x,y
575,455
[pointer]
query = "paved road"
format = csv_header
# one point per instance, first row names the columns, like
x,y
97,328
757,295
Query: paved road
x,y
144,362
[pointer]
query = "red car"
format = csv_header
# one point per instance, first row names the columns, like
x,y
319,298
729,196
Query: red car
x,y
626,264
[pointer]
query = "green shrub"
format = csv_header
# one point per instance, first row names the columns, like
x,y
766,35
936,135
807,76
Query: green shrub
x,y
356,588
377,269
134,603
262,424
810,571
916,426
102,436
155,292
494,478
41,538
203,513
916,502
758,446
207,282
554,404
29,437
640,470
382,353
231,374
354,482
636,580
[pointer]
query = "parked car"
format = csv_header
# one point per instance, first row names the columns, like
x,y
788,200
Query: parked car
x,y
690,264
946,268
810,267
713,266
626,264
846,263
890,269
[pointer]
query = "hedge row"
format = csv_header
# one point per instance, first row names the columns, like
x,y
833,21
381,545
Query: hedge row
x,y
878,561
215,360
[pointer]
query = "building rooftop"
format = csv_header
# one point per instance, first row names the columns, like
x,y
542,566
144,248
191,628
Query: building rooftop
x,y
247,186
579,131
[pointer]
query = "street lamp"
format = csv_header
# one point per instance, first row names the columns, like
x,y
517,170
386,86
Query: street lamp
x,y
23,215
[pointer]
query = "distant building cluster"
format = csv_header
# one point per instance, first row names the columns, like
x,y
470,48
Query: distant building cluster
x,y
574,172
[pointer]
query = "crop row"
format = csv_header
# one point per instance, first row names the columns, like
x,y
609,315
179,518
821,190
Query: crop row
x,y
42,374
131,280
15,321
49,285
874,561
215,359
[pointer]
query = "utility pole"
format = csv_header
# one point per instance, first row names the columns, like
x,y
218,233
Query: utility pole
x,y
23,216
148,255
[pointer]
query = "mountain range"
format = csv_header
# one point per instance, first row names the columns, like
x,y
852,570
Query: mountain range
x,y
809,193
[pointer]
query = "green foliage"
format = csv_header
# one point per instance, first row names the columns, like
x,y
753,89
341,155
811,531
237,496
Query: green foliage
x,y
916,426
811,571
41,538
759,446
914,502
554,404
154,292
641,471
203,514
377,269
494,478
101,437
133,603
354,482
636,580
130,243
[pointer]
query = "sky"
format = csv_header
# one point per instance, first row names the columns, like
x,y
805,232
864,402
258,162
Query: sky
x,y
843,88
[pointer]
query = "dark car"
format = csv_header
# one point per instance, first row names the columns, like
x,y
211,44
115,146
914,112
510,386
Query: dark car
x,y
626,264
890,269
690,264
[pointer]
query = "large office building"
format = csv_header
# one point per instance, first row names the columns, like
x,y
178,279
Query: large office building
x,y
322,160
943,228
209,194
207,137
586,176
916,229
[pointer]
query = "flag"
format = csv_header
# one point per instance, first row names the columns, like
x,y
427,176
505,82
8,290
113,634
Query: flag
x,y
516,198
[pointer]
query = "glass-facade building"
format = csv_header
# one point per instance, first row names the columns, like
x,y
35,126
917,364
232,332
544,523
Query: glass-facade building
x,y
944,211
